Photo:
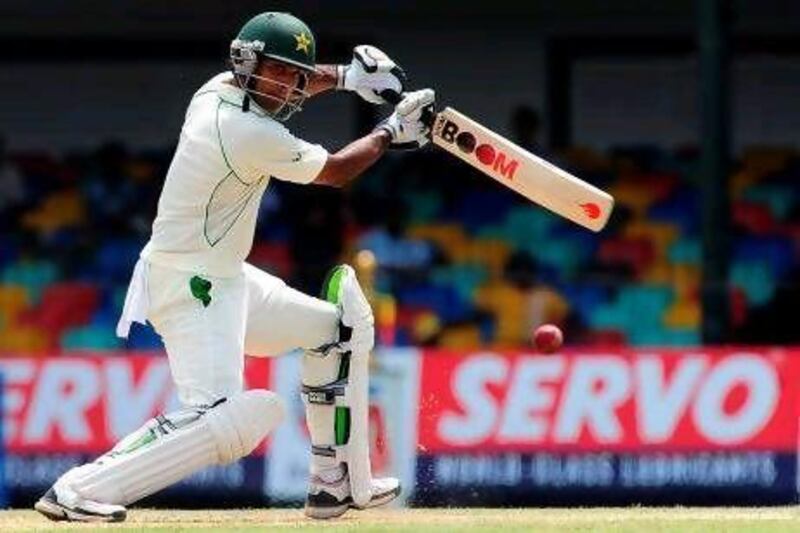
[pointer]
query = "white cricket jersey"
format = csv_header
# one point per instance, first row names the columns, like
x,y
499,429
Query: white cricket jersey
x,y
225,158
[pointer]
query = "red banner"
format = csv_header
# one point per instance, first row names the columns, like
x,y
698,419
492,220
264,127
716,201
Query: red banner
x,y
676,400
87,404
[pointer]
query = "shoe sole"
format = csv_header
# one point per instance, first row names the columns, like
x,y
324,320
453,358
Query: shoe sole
x,y
59,513
51,510
328,512
380,499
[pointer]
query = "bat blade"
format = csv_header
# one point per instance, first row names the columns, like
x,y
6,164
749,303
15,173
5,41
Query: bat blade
x,y
516,168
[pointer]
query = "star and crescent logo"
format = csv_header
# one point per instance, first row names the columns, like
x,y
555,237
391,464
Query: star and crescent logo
x,y
303,42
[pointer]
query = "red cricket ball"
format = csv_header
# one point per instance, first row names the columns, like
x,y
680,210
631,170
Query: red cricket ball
x,y
548,338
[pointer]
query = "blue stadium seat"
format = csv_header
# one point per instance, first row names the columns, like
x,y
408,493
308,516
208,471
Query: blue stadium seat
x,y
115,260
779,198
584,298
685,251
34,275
444,301
90,337
681,208
777,252
756,279
464,278
483,208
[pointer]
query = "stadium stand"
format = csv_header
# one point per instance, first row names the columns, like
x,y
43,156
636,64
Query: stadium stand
x,y
456,267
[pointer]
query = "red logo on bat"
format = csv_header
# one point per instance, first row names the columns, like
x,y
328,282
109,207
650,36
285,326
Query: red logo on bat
x,y
591,209
487,154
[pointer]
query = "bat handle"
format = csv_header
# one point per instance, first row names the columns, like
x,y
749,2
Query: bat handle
x,y
394,98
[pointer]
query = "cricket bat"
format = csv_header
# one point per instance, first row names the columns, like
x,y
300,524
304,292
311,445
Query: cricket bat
x,y
531,176
516,168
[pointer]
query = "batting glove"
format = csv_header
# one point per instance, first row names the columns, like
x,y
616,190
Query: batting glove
x,y
406,124
370,73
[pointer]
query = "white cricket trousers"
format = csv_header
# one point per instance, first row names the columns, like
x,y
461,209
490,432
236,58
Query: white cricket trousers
x,y
254,313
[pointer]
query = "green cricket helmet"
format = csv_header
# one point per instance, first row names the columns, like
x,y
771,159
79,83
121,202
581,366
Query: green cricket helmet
x,y
279,37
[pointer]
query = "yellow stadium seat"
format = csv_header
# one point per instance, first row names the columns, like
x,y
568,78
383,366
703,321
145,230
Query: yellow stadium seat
x,y
25,339
13,300
448,237
683,315
141,171
662,234
425,328
763,160
637,196
741,180
585,158
59,210
517,311
686,280
465,336
507,304
490,253
659,272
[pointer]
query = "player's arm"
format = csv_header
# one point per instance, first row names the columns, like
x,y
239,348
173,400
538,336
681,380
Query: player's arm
x,y
325,78
369,74
404,128
349,162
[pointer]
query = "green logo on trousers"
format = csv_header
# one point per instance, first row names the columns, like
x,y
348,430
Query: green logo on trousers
x,y
201,289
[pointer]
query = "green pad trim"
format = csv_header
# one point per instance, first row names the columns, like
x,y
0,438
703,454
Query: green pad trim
x,y
344,366
341,425
330,292
330,289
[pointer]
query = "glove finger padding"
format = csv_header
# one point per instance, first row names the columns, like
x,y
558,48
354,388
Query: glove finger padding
x,y
407,125
371,73
372,59
373,95
413,104
419,140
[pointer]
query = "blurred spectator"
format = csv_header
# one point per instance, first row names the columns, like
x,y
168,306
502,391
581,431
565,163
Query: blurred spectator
x,y
392,249
316,221
12,189
457,266
110,192
525,127
520,302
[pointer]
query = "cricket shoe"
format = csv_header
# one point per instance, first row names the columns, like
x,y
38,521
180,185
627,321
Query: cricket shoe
x,y
60,503
329,499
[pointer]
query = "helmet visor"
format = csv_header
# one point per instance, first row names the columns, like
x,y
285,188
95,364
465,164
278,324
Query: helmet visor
x,y
285,99
286,91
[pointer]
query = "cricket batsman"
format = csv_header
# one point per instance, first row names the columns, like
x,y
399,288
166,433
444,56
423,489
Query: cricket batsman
x,y
210,307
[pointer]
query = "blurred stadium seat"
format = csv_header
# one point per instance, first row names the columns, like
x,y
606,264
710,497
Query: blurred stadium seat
x,y
638,282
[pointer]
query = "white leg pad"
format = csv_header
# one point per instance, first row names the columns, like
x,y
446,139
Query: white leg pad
x,y
335,388
170,447
357,450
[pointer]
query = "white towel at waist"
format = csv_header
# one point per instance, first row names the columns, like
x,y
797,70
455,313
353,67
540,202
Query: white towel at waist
x,y
137,301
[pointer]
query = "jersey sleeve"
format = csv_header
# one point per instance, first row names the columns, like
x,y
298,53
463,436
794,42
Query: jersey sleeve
x,y
301,164
265,147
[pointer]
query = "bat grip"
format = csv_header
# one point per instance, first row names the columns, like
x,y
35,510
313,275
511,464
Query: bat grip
x,y
394,98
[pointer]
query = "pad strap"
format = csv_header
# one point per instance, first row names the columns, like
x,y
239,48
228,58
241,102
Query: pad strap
x,y
332,394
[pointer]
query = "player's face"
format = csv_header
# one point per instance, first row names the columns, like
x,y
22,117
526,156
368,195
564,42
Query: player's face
x,y
281,82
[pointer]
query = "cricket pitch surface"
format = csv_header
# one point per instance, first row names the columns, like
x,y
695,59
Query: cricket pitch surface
x,y
460,520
